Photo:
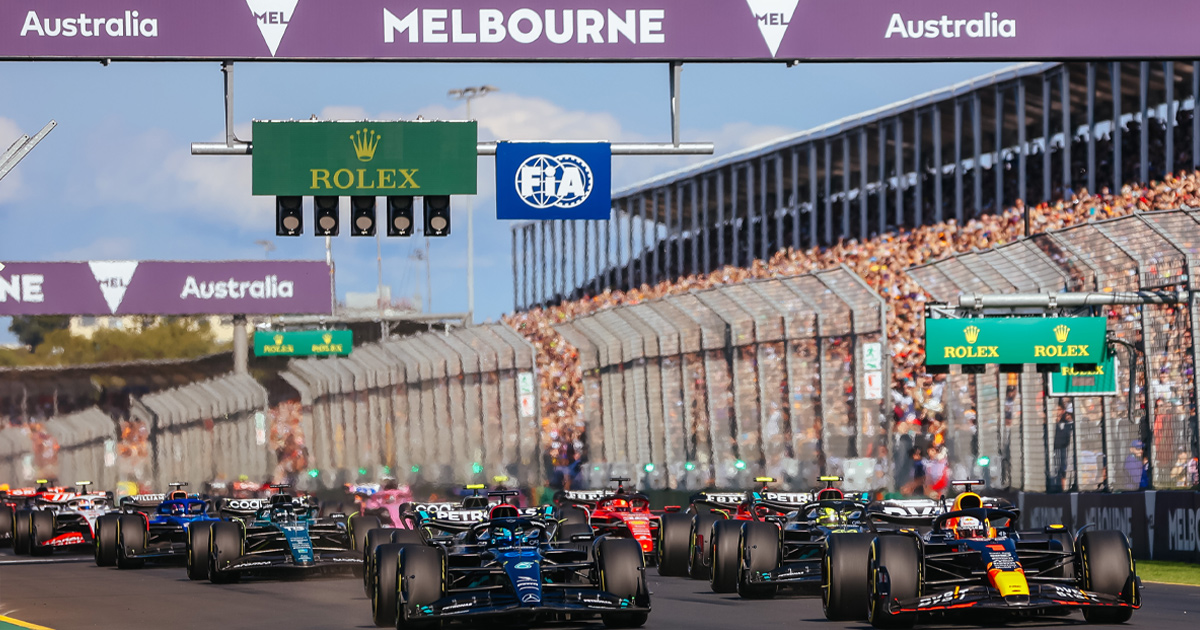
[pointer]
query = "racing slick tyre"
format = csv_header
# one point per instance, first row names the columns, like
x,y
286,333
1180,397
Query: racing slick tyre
x,y
898,558
845,577
21,532
7,515
198,535
673,532
357,527
566,531
759,549
572,515
699,540
226,543
621,574
1063,541
383,536
1107,566
384,590
41,530
106,540
723,566
419,569
131,541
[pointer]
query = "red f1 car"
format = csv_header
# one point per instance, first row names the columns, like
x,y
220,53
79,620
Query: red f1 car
x,y
618,513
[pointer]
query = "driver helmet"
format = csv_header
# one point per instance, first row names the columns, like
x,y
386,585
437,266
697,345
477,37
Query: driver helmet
x,y
970,527
827,516
179,509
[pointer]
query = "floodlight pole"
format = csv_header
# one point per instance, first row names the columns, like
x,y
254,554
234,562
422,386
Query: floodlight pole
x,y
21,148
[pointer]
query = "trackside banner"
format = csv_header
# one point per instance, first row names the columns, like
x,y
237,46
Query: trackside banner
x,y
125,287
1162,525
590,30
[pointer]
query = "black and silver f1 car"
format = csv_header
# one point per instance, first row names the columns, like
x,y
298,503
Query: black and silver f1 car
x,y
509,567
279,533
973,561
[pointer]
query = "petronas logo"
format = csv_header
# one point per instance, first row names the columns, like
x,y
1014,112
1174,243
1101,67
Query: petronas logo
x,y
365,143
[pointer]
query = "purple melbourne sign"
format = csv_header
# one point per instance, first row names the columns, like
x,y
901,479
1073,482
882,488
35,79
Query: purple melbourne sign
x,y
627,30
115,287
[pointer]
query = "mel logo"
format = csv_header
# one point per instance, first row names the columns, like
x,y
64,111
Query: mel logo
x,y
113,277
273,17
773,17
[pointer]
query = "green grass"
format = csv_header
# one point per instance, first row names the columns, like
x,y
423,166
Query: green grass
x,y
1170,572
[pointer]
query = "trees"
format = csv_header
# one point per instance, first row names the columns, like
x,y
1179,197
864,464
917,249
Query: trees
x,y
31,330
165,338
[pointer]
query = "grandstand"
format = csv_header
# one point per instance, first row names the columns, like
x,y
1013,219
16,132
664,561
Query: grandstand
x,y
917,162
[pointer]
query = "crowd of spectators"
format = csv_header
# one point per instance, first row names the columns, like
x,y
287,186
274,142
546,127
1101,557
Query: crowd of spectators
x,y
881,261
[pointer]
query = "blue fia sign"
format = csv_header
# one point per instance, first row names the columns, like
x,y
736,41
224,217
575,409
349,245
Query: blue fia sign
x,y
553,181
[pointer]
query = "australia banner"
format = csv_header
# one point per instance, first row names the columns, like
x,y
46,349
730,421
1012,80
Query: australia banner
x,y
596,30
122,287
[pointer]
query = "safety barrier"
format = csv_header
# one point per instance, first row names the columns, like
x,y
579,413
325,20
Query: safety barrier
x,y
450,407
211,430
87,442
783,376
16,456
1041,443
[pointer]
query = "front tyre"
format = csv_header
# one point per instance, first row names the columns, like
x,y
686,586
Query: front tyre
x,y
759,547
726,556
899,560
131,541
846,577
419,573
106,540
41,531
621,574
198,536
21,525
700,539
1108,568
227,542
7,523
673,539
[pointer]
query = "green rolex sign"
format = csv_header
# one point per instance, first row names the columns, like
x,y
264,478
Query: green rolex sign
x,y
1063,340
1100,380
344,159
302,343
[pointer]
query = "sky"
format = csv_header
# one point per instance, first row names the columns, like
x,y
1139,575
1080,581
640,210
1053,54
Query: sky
x,y
115,180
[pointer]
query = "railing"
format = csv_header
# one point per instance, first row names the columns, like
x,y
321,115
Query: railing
x,y
446,407
1104,444
715,387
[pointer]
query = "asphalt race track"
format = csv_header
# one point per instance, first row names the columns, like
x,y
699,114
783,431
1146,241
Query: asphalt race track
x,y
69,592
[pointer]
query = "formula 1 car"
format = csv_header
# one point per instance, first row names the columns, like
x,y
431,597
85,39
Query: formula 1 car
x,y
774,550
614,513
14,499
149,527
281,533
53,520
687,540
973,561
508,568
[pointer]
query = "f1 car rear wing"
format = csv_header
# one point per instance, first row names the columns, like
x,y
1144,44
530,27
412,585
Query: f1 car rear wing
x,y
249,507
139,502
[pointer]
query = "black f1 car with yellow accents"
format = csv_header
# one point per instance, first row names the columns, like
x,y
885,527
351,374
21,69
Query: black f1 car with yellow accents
x,y
702,542
972,560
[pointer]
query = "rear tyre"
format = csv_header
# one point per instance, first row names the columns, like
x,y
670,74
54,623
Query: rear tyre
x,y
106,540
759,548
226,543
41,530
419,572
131,541
898,558
621,574
846,577
572,515
357,527
726,556
7,516
673,532
699,540
21,532
198,535
1107,565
